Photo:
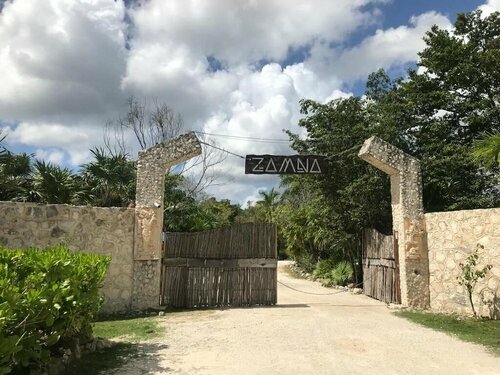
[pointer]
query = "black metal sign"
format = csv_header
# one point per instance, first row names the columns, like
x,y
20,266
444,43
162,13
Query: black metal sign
x,y
279,164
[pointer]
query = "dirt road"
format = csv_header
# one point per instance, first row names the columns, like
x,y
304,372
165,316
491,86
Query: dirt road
x,y
307,334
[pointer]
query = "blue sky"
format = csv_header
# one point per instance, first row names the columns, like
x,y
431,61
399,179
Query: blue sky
x,y
236,68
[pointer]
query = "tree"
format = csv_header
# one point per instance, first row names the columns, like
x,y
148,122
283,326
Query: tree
x,y
52,184
471,274
450,105
268,203
350,196
108,180
153,124
487,150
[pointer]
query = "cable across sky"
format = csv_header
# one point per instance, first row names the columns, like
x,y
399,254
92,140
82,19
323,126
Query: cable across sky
x,y
249,139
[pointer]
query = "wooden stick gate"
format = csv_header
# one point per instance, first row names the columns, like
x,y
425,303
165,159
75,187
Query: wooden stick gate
x,y
234,266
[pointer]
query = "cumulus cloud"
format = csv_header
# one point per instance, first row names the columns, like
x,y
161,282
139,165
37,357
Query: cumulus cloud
x,y
68,66
247,31
384,49
50,155
490,6
60,59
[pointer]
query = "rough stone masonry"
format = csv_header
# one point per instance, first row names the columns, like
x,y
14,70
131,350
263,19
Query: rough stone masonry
x,y
407,217
151,168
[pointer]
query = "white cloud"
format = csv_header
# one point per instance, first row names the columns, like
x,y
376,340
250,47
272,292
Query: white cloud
x,y
66,69
490,6
60,58
76,141
50,155
384,49
247,31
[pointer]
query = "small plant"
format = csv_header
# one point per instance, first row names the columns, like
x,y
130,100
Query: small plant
x,y
323,268
342,273
470,274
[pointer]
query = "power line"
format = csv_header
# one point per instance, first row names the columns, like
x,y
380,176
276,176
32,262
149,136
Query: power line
x,y
242,157
242,138
221,149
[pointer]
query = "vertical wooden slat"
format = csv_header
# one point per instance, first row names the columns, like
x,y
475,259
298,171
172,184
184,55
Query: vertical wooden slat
x,y
380,266
218,286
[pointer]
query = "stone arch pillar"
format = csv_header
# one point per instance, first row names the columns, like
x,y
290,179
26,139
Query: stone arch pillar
x,y
407,217
151,167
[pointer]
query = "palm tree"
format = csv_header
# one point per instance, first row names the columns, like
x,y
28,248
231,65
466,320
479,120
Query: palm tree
x,y
268,203
109,180
15,176
487,150
52,184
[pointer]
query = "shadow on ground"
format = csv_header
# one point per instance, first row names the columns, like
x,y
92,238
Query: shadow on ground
x,y
107,360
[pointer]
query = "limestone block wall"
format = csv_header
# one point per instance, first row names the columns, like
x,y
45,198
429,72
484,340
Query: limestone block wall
x,y
107,231
452,236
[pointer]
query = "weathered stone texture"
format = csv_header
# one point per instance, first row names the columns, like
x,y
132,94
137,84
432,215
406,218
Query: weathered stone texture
x,y
452,236
154,162
107,231
146,291
407,216
151,168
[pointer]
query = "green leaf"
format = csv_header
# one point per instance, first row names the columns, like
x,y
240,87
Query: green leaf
x,y
49,321
53,339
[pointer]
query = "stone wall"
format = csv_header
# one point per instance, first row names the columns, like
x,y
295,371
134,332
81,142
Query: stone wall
x,y
107,231
452,236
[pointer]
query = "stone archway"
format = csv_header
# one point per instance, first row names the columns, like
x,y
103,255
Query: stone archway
x,y
151,167
407,217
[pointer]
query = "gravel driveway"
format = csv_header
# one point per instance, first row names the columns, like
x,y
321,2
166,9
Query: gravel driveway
x,y
306,334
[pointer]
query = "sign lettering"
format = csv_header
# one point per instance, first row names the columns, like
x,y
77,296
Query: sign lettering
x,y
279,164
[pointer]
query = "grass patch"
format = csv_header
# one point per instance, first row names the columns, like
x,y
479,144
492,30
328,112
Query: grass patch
x,y
132,329
479,331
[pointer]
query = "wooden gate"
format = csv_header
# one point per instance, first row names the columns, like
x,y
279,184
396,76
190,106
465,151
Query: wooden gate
x,y
381,266
234,266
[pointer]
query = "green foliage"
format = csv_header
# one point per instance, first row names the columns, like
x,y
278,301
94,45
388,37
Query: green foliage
x,y
52,184
342,273
15,176
108,180
483,332
450,105
306,262
471,275
324,268
333,272
183,213
487,150
45,296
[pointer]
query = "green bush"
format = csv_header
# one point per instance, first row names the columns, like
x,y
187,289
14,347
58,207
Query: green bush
x,y
46,296
306,262
323,268
342,273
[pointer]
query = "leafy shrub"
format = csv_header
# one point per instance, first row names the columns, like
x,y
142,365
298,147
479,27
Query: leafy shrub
x,y
342,273
323,268
306,262
46,296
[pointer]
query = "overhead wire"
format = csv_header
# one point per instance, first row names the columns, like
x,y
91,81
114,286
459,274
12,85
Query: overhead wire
x,y
249,139
242,157
222,149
